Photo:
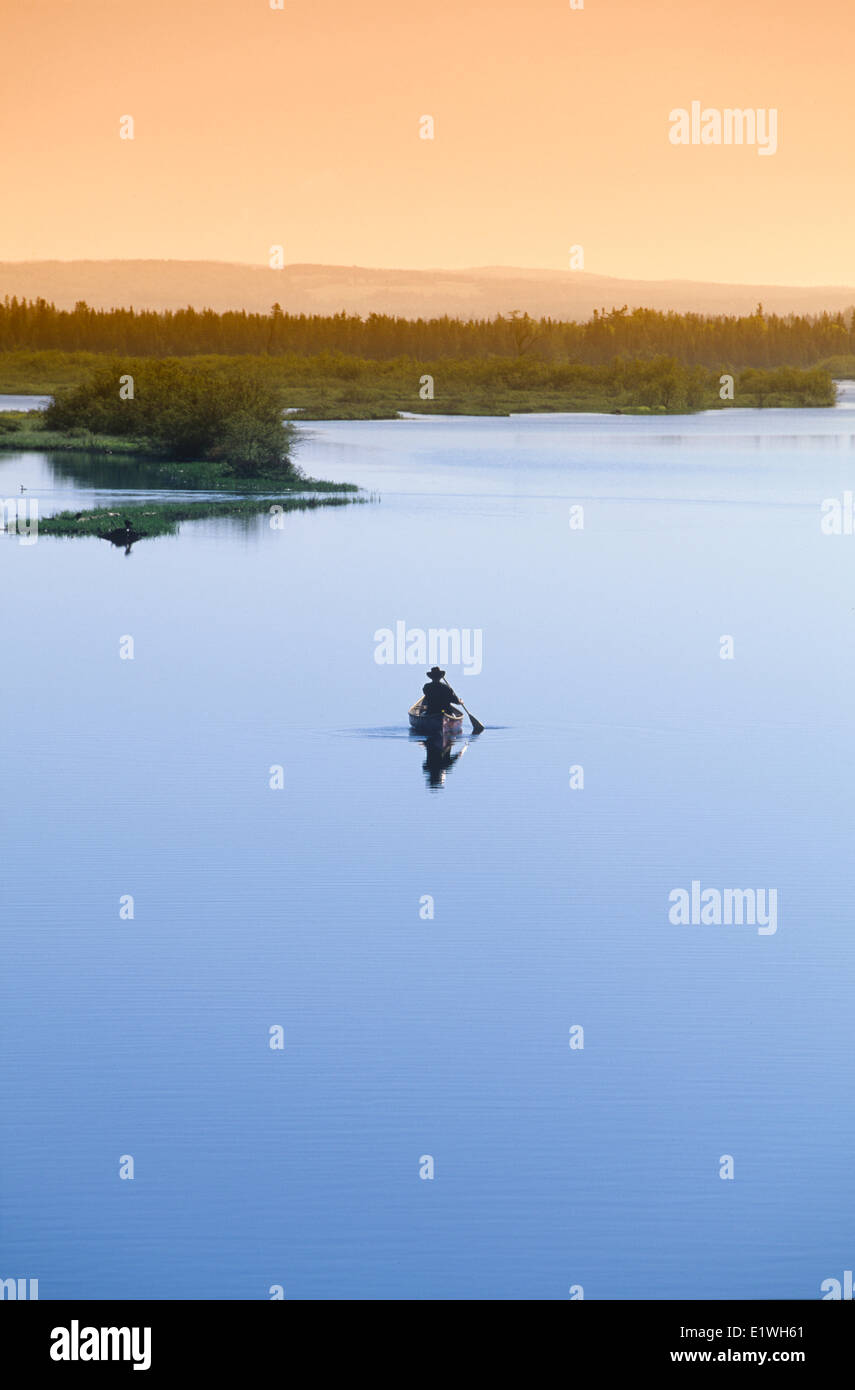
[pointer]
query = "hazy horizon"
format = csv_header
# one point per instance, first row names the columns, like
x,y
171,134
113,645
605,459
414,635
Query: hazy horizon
x,y
313,288
433,270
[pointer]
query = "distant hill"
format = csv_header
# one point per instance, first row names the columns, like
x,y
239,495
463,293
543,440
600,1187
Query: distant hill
x,y
327,289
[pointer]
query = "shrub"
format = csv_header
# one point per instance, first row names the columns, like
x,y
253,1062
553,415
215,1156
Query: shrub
x,y
184,413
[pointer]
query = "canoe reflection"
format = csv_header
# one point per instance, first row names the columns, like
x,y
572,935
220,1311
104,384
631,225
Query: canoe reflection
x,y
440,757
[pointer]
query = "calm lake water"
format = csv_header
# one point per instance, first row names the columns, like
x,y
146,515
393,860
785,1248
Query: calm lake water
x,y
407,1035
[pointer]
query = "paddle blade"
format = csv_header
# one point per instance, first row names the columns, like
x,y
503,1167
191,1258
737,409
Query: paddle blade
x,y
477,726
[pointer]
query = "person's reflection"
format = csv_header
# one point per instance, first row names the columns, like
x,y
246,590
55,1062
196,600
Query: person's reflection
x,y
439,760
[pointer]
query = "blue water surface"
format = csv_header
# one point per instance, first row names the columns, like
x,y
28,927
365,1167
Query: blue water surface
x,y
408,1035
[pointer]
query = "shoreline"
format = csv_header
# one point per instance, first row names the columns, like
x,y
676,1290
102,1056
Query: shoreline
x,y
189,474
61,442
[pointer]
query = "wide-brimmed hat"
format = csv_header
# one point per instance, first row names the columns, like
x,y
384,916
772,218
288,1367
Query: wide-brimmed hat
x,y
435,671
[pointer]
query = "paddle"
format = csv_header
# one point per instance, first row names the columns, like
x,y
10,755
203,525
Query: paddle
x,y
477,726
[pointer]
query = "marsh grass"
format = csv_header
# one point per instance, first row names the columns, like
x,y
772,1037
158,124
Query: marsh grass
x,y
150,519
334,386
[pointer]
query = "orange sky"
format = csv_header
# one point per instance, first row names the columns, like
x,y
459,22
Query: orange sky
x,y
300,127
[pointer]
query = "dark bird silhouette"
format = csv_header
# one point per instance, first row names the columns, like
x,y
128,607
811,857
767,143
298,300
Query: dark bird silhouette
x,y
123,536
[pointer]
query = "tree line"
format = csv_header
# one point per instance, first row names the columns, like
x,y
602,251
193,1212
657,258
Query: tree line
x,y
758,340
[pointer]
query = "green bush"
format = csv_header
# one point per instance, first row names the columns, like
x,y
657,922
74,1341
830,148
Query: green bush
x,y
183,412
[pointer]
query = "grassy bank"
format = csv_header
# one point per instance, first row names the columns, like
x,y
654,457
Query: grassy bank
x,y
28,432
28,372
331,385
149,519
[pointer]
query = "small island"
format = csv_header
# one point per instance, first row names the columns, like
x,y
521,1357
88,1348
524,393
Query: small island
x,y
144,520
192,428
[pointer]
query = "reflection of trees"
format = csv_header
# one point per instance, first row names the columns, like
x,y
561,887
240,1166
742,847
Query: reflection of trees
x,y
91,470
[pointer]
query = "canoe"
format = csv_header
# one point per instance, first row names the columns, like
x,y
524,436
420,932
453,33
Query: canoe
x,y
439,726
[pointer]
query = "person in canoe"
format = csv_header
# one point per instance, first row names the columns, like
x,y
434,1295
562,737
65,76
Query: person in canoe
x,y
434,712
437,695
